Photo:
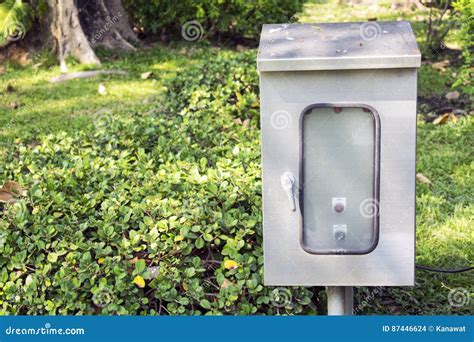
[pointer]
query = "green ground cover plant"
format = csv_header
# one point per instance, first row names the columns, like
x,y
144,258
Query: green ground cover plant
x,y
226,20
146,198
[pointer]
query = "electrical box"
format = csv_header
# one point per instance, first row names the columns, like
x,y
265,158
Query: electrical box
x,y
338,121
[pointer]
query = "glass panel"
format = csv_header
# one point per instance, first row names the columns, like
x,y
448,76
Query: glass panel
x,y
339,196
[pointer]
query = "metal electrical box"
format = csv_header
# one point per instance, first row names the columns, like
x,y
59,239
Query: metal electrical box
x,y
338,120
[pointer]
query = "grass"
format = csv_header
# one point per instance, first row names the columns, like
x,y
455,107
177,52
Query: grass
x,y
44,107
445,212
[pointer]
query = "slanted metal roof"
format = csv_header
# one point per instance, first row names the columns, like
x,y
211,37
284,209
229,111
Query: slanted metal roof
x,y
335,46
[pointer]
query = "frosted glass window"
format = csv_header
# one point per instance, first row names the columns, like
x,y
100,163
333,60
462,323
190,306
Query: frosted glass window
x,y
340,179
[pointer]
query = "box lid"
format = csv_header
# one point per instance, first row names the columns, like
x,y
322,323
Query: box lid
x,y
336,46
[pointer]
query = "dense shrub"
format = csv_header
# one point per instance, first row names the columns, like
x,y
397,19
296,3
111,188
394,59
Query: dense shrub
x,y
466,36
18,16
439,24
176,188
224,18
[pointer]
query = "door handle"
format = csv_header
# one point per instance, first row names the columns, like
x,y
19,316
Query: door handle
x,y
288,183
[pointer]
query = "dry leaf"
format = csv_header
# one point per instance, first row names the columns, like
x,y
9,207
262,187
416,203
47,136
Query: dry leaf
x,y
240,48
185,286
13,188
226,283
422,178
238,121
230,264
133,261
454,95
442,119
139,281
246,123
5,197
441,66
146,75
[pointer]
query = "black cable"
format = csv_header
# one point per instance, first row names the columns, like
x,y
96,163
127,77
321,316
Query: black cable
x,y
443,270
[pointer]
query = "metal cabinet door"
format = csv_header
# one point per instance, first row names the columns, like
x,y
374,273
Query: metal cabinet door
x,y
339,197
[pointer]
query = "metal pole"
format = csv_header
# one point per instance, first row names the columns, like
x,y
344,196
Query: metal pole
x,y
340,300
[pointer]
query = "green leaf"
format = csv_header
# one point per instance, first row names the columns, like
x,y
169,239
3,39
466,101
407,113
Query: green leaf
x,y
199,243
16,18
52,257
140,266
205,304
189,272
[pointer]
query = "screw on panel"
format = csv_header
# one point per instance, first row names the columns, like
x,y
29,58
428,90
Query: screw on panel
x,y
339,208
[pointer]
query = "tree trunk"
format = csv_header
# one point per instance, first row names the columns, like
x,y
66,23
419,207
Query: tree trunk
x,y
105,24
76,27
123,25
70,38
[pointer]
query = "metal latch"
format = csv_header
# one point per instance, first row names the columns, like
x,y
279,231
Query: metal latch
x,y
288,182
